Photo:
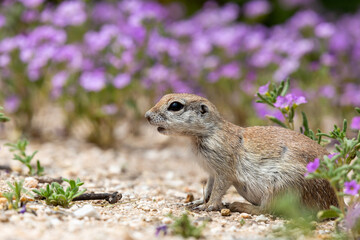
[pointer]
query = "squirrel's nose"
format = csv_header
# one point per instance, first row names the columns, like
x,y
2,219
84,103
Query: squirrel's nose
x,y
147,115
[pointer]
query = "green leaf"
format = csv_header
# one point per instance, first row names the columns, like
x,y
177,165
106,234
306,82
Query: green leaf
x,y
285,87
326,214
357,109
277,121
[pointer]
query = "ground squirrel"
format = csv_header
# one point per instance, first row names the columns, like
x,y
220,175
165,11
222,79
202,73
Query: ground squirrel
x,y
261,162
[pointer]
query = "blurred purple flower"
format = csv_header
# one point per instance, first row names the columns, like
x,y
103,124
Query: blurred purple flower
x,y
161,228
351,188
11,104
104,12
7,44
355,123
262,110
69,13
29,16
31,3
328,59
256,8
70,54
96,41
4,60
2,20
287,67
339,42
93,81
352,217
313,166
328,91
231,70
264,89
262,58
325,30
59,79
109,109
350,95
122,80
302,19
158,73
22,210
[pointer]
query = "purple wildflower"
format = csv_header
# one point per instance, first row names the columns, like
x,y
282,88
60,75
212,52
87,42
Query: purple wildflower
x,y
109,109
31,3
351,188
121,80
352,218
256,8
289,100
11,104
4,60
59,79
325,30
312,166
264,89
2,21
93,81
231,70
70,13
161,228
22,210
355,123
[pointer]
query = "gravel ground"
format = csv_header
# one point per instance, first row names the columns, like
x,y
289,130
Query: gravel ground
x,y
154,173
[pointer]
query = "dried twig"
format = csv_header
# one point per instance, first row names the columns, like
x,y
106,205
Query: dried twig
x,y
49,180
5,168
110,197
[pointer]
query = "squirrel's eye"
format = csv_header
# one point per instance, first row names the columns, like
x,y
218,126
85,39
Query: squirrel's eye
x,y
175,106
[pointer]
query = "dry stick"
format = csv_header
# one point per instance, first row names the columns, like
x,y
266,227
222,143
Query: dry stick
x,y
6,168
110,197
49,180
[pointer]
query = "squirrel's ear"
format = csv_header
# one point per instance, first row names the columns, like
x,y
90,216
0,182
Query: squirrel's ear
x,y
204,109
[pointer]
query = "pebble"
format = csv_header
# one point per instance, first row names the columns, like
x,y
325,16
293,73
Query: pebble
x,y
203,219
225,212
189,198
166,211
87,211
261,218
245,215
30,182
167,220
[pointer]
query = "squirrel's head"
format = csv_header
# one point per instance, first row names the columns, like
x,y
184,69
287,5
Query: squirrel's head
x,y
184,114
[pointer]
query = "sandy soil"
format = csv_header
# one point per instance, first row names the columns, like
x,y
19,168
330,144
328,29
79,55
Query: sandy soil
x,y
154,173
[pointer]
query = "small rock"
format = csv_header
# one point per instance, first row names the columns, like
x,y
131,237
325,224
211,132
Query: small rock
x,y
4,218
54,222
203,219
189,198
261,218
30,182
245,215
167,220
86,211
166,211
225,212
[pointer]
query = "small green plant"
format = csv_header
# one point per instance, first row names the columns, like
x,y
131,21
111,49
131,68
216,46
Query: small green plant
x,y
183,226
55,194
20,148
14,196
300,220
3,118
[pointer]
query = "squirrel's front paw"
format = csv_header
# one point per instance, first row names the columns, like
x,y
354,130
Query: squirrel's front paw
x,y
210,207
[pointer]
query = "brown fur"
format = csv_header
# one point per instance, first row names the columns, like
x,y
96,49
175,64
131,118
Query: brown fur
x,y
261,162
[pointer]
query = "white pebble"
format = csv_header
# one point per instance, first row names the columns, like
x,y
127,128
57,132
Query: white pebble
x,y
86,211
